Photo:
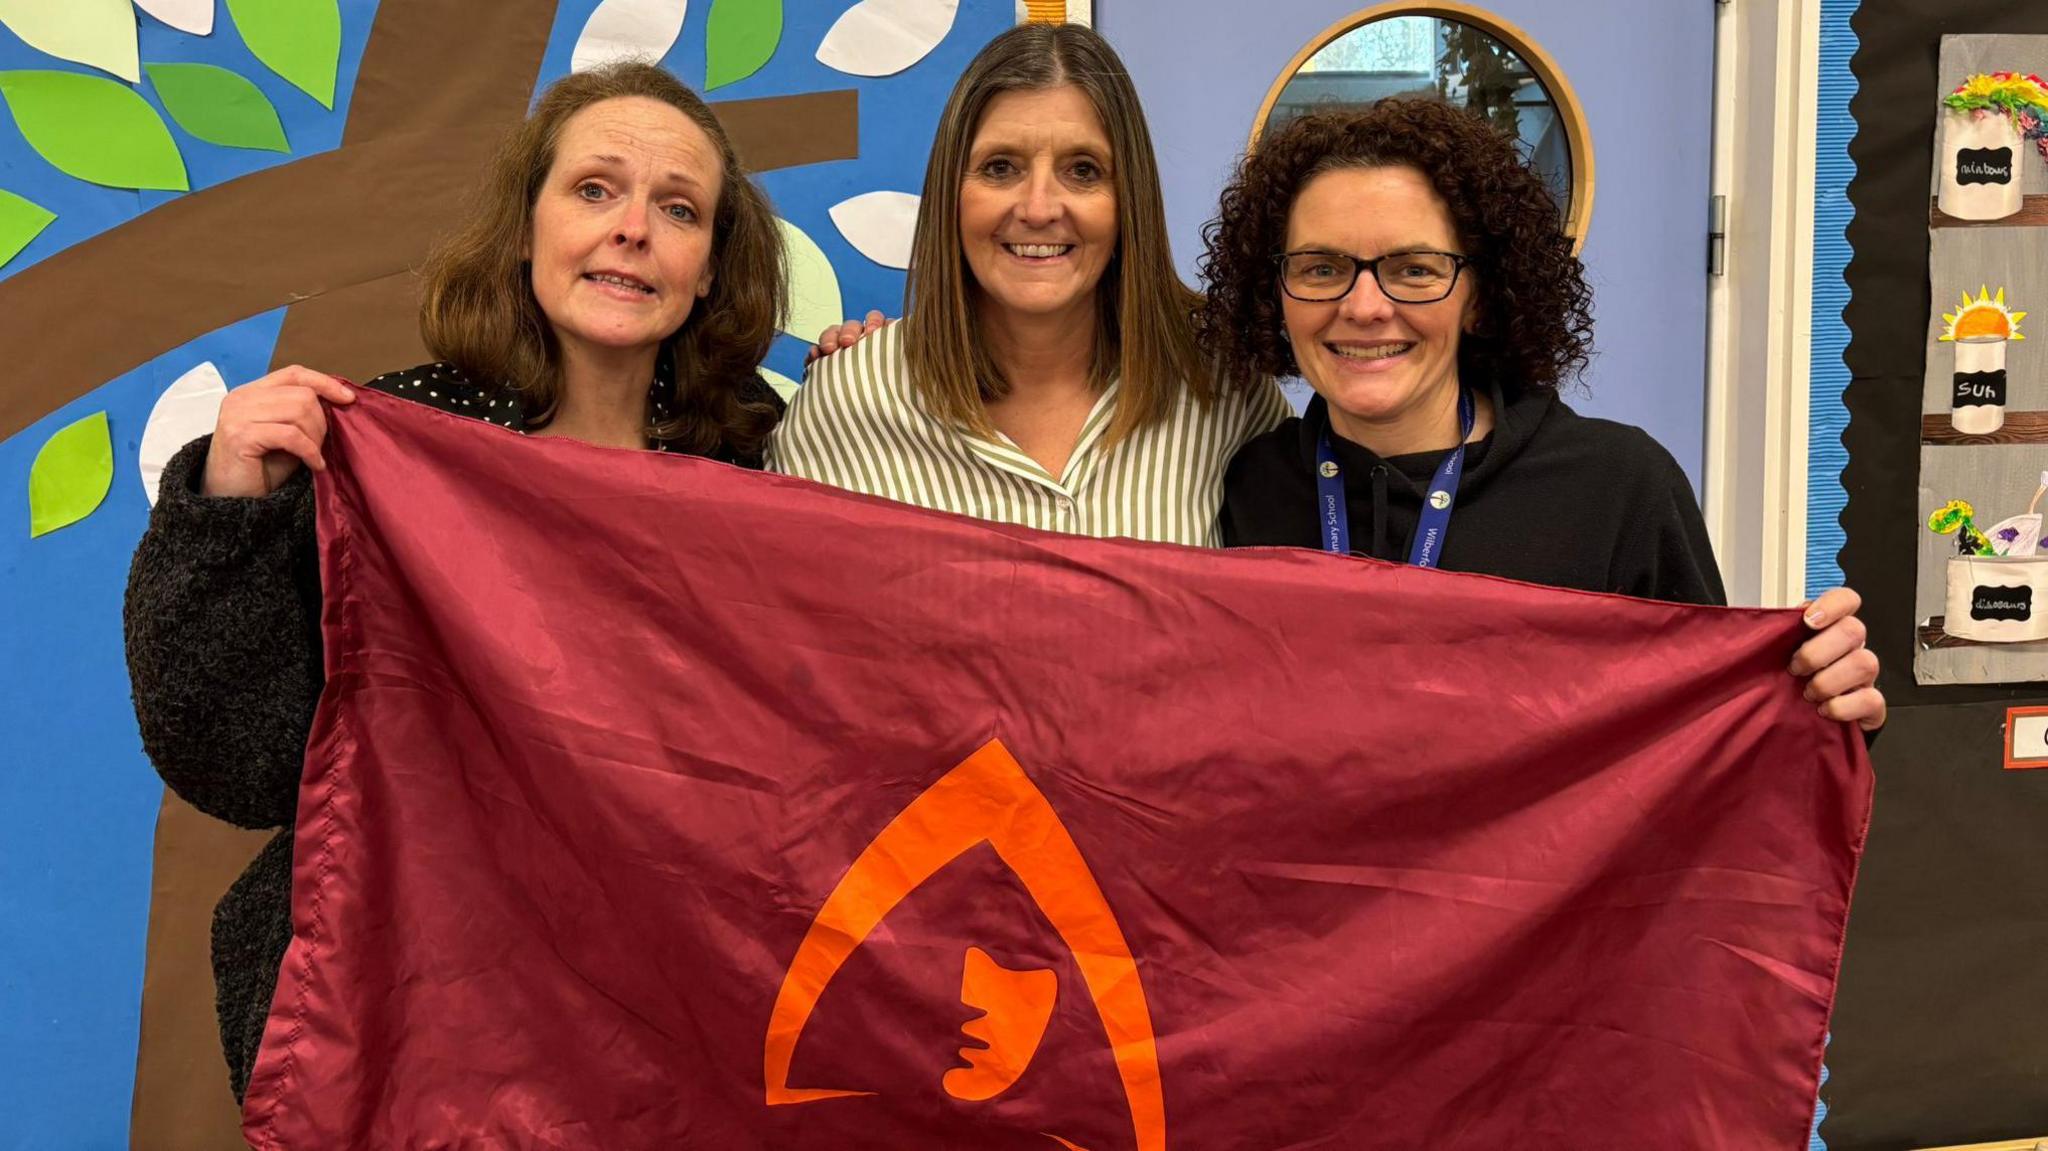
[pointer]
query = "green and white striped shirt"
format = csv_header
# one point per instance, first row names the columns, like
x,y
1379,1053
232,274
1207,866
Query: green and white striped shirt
x,y
857,424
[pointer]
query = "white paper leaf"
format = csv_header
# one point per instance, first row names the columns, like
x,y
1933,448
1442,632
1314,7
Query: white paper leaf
x,y
879,225
783,385
194,16
628,30
187,410
2025,537
883,37
813,286
96,32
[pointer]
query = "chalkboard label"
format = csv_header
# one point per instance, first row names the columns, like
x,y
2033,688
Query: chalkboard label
x,y
1979,388
2013,603
1984,166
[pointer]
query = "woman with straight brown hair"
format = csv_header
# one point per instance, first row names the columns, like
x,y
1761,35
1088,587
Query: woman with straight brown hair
x,y
618,283
1046,372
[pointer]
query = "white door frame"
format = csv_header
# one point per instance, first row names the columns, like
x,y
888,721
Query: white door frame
x,y
1759,311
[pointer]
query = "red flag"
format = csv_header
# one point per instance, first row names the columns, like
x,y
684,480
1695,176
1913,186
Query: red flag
x,y
654,803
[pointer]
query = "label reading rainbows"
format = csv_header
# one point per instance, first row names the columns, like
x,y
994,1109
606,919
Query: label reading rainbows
x,y
1984,166
986,799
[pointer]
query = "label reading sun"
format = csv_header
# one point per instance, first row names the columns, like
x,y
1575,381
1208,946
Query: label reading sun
x,y
1984,318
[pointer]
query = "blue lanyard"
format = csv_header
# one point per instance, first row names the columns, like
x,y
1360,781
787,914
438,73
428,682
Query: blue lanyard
x,y
1436,506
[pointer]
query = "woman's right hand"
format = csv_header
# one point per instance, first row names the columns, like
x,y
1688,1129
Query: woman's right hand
x,y
267,429
844,335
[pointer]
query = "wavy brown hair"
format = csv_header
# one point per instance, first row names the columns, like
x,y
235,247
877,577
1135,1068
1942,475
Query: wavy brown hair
x,y
478,310
1534,324
1144,330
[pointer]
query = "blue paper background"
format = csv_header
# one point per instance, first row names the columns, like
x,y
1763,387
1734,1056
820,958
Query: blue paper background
x,y
78,801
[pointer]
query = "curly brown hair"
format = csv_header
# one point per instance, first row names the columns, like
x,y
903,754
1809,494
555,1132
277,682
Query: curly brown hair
x,y
478,311
1535,320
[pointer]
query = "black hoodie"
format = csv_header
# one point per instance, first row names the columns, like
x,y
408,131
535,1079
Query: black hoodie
x,y
1548,497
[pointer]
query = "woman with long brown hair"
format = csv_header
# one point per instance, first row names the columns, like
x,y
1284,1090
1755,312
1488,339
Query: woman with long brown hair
x,y
1046,372
618,283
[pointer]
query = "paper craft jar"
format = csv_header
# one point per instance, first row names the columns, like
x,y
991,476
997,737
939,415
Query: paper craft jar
x,y
1977,400
1978,330
1997,599
1980,165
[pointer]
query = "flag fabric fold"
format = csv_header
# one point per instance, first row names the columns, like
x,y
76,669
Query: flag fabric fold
x,y
656,803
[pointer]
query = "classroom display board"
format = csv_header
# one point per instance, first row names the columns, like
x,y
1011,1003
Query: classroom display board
x,y
1982,591
1939,1024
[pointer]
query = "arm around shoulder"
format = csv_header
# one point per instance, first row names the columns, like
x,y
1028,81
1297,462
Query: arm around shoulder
x,y
843,401
222,623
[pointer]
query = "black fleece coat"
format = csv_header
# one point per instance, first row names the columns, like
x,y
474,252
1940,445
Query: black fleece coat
x,y
224,656
1548,497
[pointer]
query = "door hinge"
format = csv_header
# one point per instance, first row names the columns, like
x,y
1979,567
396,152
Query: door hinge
x,y
1717,235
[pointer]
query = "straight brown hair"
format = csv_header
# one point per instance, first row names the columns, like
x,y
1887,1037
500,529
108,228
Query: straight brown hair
x,y
1144,331
478,310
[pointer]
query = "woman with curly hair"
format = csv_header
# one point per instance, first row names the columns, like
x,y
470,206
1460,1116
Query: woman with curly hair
x,y
618,284
1408,265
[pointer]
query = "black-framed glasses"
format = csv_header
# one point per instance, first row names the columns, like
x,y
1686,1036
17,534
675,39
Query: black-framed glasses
x,y
1406,277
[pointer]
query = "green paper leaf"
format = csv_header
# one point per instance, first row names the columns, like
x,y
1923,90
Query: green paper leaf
x,y
813,286
739,38
218,106
94,129
100,33
299,40
20,222
71,475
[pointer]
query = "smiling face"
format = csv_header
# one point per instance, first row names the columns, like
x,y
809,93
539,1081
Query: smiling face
x,y
622,226
1382,366
1038,214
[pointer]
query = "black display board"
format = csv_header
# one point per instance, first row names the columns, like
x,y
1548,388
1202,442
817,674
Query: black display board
x,y
1941,1025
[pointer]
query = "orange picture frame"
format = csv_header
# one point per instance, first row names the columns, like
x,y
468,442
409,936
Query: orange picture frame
x,y
2032,759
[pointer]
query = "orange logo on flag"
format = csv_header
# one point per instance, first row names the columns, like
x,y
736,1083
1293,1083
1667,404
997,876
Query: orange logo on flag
x,y
988,799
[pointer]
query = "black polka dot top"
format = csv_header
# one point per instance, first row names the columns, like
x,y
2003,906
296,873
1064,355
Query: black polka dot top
x,y
443,385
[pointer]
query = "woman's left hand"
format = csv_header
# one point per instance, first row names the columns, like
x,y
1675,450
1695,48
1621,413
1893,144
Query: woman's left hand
x,y
844,335
1840,673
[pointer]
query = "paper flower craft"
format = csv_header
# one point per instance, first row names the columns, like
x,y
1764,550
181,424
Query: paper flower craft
x,y
1985,126
2021,97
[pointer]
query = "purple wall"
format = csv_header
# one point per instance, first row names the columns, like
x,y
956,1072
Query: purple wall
x,y
1203,66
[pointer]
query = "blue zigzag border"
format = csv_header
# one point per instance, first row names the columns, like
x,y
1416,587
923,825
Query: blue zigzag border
x,y
1827,418
1828,375
1820,1112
